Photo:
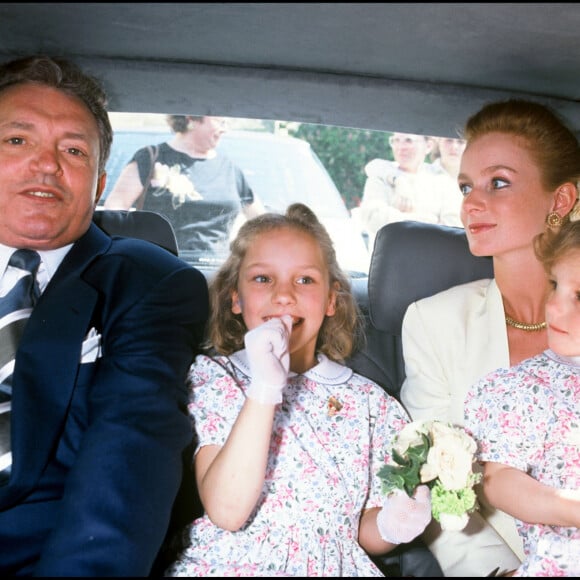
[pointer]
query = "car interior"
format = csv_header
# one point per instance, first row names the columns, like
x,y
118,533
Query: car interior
x,y
414,67
141,224
406,265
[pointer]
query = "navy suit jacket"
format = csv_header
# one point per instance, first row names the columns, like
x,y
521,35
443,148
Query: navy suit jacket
x,y
97,446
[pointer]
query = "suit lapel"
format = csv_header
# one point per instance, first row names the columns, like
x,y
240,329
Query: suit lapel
x,y
486,345
47,365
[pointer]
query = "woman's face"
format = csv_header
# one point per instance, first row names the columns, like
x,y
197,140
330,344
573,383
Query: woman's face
x,y
504,203
209,130
409,150
451,151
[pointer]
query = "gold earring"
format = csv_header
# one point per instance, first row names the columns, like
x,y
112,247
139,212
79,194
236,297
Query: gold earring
x,y
553,220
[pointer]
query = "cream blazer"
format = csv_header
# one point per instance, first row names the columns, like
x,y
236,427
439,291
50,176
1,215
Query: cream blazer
x,y
450,340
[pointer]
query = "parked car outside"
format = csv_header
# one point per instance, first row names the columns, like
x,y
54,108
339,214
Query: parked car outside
x,y
280,170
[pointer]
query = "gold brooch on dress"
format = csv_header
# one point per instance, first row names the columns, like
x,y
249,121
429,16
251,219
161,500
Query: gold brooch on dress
x,y
334,406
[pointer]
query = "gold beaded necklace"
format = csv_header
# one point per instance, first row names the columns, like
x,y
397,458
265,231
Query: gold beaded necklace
x,y
523,326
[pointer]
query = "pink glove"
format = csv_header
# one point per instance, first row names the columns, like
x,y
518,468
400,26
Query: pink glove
x,y
269,358
403,518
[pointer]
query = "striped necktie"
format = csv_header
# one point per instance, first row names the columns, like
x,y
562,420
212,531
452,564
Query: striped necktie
x,y
15,308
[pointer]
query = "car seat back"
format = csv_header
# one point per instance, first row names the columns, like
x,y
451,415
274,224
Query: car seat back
x,y
410,260
145,225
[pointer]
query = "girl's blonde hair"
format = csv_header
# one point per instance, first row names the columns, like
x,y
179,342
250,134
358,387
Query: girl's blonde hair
x,y
339,335
553,244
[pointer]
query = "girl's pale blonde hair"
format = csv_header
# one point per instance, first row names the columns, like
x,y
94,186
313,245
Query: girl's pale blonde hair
x,y
556,243
339,335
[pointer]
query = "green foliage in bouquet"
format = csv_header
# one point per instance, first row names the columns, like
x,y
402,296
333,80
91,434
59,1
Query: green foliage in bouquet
x,y
407,473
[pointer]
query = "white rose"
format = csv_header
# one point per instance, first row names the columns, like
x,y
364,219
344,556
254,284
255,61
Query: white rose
x,y
453,523
450,457
179,184
181,187
410,436
160,175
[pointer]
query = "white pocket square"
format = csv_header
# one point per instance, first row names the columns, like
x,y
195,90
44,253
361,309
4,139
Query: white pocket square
x,y
91,348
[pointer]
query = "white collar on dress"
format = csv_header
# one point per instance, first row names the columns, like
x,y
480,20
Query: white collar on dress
x,y
573,361
326,371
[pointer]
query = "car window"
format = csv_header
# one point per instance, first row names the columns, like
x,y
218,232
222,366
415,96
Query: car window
x,y
280,169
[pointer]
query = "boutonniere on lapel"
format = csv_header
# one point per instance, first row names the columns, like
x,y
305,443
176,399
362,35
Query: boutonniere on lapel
x,y
333,406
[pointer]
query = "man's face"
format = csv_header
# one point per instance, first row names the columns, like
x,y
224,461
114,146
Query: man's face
x,y
49,161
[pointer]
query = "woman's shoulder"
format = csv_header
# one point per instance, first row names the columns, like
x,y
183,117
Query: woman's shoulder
x,y
456,307
382,168
151,152
221,163
476,289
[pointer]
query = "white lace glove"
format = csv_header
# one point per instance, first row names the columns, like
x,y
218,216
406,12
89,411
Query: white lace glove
x,y
403,518
269,358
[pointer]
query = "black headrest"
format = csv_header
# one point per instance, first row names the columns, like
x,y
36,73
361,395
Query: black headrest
x,y
412,260
145,225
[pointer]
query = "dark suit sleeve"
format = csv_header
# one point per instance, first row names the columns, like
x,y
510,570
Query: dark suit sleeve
x,y
131,421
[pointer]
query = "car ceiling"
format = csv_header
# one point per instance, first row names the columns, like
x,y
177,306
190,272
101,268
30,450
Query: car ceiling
x,y
414,67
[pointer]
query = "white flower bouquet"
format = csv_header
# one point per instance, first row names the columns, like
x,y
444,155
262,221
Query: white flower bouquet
x,y
441,456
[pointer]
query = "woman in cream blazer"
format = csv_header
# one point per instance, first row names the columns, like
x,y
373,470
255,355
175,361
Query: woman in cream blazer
x,y
449,353
518,173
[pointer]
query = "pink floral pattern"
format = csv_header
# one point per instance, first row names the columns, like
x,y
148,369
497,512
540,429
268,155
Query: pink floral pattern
x,y
321,472
528,417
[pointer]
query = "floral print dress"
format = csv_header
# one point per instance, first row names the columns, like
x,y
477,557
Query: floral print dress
x,y
331,434
528,417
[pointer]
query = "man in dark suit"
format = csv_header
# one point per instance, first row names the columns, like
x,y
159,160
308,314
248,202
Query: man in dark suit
x,y
98,408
